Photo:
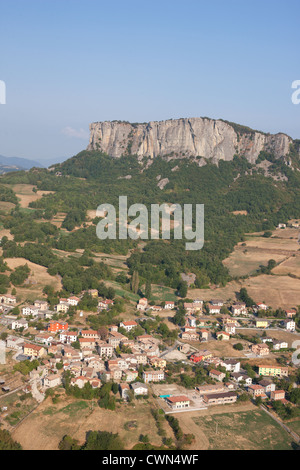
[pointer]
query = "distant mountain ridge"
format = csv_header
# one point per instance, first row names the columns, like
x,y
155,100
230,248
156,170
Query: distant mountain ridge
x,y
16,163
188,137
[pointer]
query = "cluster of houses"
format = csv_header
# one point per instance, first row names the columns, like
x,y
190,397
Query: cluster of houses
x,y
96,357
96,361
223,390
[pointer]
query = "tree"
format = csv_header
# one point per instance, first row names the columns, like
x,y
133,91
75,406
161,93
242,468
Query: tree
x,y
244,297
6,441
267,234
68,443
182,289
103,440
238,346
121,278
135,282
148,289
103,333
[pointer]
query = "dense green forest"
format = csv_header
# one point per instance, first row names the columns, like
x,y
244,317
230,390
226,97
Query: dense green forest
x,y
92,178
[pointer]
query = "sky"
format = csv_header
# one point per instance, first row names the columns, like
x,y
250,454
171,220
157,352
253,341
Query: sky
x,y
67,63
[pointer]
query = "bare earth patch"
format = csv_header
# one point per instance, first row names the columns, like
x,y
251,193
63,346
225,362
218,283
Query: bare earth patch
x,y
46,426
38,278
26,195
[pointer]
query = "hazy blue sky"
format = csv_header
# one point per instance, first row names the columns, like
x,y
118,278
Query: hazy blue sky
x,y
67,63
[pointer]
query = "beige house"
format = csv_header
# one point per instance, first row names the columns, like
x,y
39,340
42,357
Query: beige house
x,y
217,375
143,304
239,308
189,336
87,343
91,334
178,402
105,349
223,336
41,304
33,350
278,395
260,349
257,391
52,381
62,307
224,398
153,376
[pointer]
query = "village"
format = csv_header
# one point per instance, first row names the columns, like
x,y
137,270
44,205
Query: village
x,y
142,364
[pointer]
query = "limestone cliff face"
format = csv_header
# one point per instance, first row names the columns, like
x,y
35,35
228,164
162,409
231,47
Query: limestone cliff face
x,y
178,138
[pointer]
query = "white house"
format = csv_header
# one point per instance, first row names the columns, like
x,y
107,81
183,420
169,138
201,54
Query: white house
x,y
30,310
231,365
105,304
239,308
139,388
230,328
128,325
217,303
261,306
289,325
8,299
44,338
68,337
241,377
17,324
15,343
277,345
192,321
74,301
169,305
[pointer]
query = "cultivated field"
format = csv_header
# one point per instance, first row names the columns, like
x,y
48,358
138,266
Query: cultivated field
x,y
290,266
276,291
244,260
243,430
58,219
258,250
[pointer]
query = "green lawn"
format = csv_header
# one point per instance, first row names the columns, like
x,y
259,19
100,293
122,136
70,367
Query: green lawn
x,y
294,426
162,293
70,410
